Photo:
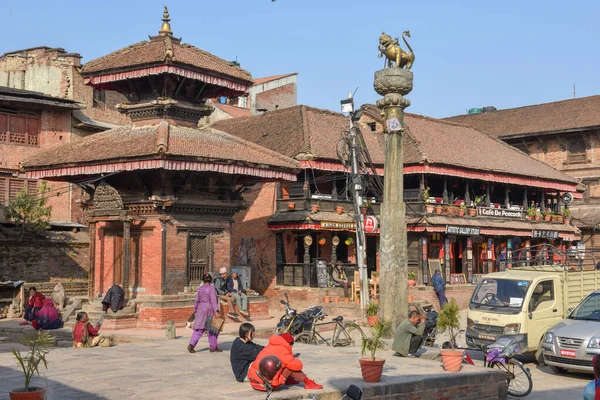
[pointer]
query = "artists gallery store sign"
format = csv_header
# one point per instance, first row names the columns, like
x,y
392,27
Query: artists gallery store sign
x,y
499,212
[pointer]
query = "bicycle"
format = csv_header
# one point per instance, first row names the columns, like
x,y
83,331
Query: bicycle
x,y
500,355
344,333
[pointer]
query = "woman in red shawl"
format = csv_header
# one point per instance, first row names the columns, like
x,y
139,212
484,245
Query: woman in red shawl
x,y
34,304
47,317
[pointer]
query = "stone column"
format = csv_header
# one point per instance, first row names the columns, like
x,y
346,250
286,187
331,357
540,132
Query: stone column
x,y
163,255
393,84
126,255
92,270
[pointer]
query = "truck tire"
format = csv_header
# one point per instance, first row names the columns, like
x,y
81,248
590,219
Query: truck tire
x,y
539,355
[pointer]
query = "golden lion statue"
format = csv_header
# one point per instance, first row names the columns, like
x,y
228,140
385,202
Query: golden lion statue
x,y
395,56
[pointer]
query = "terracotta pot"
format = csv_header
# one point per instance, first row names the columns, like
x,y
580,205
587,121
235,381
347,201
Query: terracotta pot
x,y
326,299
438,210
528,218
566,221
472,212
559,218
357,301
429,208
372,320
452,359
537,217
346,300
35,393
554,219
461,212
376,301
547,218
363,210
371,369
339,209
336,300
314,208
412,283
411,298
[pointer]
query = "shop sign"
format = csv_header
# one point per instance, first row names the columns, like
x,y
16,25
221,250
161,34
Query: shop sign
x,y
499,212
462,230
337,225
371,224
544,234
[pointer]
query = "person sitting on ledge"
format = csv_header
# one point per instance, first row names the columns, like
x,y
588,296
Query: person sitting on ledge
x,y
290,373
235,288
244,352
409,335
47,317
338,277
34,304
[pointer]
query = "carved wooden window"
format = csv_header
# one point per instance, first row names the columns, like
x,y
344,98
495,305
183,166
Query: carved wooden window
x,y
19,129
576,153
198,256
372,126
99,99
9,187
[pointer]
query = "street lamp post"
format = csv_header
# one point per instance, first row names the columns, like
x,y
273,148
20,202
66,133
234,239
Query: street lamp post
x,y
357,190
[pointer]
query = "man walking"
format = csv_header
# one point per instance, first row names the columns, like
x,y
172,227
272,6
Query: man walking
x,y
440,287
409,335
220,284
236,289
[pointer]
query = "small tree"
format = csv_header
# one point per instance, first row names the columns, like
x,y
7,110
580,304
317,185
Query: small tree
x,y
39,345
30,211
448,320
373,341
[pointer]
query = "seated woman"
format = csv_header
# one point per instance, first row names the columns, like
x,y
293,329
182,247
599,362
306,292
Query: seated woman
x,y
84,334
34,304
47,317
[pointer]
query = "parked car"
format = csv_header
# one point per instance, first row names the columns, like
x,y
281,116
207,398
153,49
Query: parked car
x,y
572,343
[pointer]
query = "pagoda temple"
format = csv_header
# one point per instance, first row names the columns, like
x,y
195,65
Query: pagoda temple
x,y
161,193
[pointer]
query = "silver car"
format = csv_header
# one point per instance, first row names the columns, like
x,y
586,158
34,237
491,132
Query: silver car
x,y
572,343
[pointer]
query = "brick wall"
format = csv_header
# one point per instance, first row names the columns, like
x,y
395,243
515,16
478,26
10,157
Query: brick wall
x,y
281,97
45,260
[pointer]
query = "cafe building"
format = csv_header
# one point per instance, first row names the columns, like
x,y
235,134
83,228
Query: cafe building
x,y
471,199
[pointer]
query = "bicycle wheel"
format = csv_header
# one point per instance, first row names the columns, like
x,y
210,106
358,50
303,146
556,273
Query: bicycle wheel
x,y
518,379
306,338
348,335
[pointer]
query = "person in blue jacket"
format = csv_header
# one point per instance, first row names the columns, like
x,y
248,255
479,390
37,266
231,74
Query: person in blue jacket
x,y
440,287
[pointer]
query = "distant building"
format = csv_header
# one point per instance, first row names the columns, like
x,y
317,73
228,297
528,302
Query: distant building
x,y
563,134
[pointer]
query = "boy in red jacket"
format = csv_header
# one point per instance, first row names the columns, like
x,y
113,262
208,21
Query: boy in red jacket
x,y
290,373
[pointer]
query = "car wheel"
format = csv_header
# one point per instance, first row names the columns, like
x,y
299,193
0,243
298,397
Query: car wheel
x,y
539,355
558,370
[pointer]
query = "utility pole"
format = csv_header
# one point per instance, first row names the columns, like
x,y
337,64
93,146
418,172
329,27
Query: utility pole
x,y
357,197
393,83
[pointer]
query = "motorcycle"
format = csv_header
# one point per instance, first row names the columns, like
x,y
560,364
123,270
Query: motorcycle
x,y
295,322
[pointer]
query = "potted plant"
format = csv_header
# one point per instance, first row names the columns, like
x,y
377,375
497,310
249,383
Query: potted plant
x,y
372,367
372,309
566,215
547,215
323,241
412,278
348,242
357,298
438,209
538,215
448,322
339,209
39,346
327,297
559,218
314,208
336,300
365,207
462,209
531,211
291,205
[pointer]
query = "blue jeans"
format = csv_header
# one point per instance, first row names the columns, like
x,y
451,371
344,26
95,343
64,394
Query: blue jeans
x,y
442,297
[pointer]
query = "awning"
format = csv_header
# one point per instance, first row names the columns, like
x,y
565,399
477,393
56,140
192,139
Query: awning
x,y
86,122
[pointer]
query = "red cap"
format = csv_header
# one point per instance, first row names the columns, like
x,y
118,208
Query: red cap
x,y
288,338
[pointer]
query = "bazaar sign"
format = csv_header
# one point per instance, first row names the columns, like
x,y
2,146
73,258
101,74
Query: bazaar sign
x,y
462,230
337,225
544,234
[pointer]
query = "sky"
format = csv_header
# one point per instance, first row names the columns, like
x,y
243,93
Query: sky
x,y
468,53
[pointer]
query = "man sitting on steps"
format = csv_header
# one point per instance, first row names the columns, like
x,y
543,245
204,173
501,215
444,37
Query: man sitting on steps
x,y
220,284
236,289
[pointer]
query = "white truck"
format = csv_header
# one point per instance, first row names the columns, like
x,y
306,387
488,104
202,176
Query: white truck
x,y
524,302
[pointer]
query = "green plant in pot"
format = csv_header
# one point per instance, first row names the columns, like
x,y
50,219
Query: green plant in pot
x,y
30,362
412,278
449,322
372,342
372,310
